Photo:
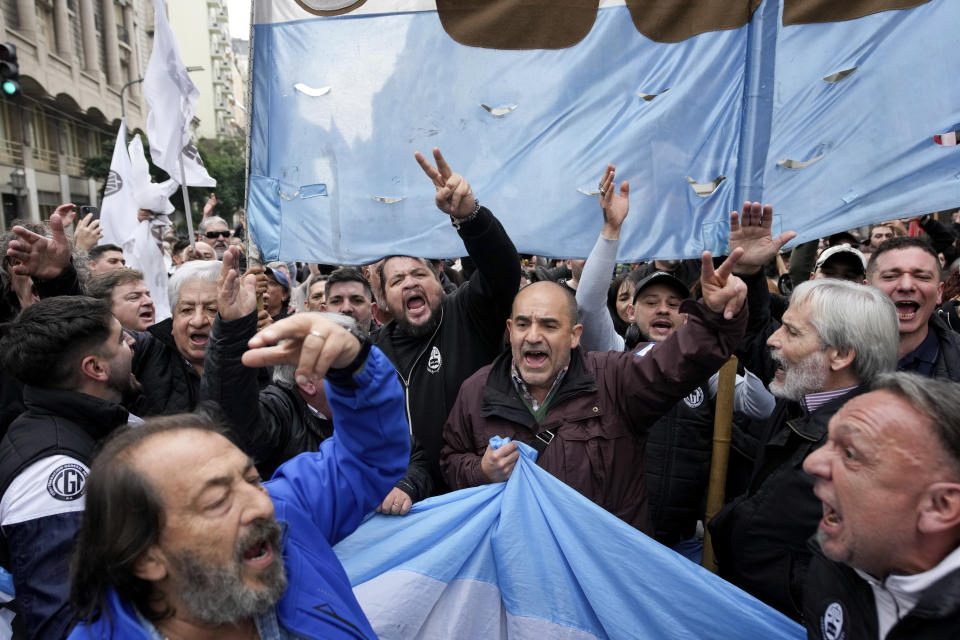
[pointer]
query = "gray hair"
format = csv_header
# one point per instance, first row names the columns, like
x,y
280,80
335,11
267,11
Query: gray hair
x,y
284,373
206,222
937,399
854,316
203,270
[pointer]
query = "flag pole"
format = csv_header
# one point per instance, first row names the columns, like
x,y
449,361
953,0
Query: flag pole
x,y
186,205
722,430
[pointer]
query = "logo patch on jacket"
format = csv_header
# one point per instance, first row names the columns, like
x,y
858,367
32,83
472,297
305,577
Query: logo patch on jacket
x,y
66,482
695,399
433,364
831,622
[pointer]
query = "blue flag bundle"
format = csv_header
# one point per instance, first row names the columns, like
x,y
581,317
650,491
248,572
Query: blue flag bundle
x,y
838,113
532,558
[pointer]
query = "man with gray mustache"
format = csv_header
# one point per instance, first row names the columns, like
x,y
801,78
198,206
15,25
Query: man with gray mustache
x,y
836,337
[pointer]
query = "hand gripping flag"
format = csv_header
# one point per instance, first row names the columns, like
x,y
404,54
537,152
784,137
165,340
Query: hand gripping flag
x,y
172,99
532,558
826,109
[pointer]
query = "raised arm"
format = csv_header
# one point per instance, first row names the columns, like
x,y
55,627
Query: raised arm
x,y
750,231
598,330
487,296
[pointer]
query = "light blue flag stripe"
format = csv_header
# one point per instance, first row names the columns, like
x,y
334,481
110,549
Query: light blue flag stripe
x,y
333,177
532,556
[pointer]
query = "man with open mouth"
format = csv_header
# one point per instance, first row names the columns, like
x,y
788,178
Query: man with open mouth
x,y
203,548
588,414
128,296
168,356
435,340
835,338
886,560
908,270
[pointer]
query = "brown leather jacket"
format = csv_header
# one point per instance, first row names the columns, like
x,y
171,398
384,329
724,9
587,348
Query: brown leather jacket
x,y
600,413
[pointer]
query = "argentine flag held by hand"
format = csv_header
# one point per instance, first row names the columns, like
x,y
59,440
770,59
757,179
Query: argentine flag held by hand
x,y
532,558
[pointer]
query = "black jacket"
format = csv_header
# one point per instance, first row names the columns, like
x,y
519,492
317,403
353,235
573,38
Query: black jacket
x,y
677,466
469,336
280,425
170,383
38,551
947,365
837,587
760,538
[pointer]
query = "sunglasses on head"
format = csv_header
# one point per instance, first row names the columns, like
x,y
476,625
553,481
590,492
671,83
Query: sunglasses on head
x,y
215,234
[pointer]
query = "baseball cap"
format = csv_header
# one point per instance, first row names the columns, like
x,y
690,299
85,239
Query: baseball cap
x,y
832,252
662,277
279,276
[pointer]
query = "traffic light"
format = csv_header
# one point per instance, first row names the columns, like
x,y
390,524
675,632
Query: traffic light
x,y
9,70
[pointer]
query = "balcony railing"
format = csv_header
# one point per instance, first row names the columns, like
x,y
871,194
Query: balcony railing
x,y
45,159
11,152
74,165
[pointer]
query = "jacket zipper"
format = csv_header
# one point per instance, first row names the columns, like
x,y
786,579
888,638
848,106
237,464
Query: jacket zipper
x,y
406,381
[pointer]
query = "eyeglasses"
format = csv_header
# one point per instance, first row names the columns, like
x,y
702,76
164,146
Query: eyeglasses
x,y
217,234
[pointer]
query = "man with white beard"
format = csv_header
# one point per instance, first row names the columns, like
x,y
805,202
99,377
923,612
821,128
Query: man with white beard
x,y
835,339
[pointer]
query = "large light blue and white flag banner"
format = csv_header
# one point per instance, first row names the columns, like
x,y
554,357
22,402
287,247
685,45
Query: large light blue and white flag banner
x,y
532,558
838,113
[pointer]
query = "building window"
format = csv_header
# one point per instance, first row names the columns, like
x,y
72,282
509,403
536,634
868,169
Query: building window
x,y
44,141
48,201
75,148
10,14
45,24
77,32
11,149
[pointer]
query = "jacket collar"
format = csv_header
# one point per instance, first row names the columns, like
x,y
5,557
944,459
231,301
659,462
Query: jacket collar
x,y
163,331
97,417
500,396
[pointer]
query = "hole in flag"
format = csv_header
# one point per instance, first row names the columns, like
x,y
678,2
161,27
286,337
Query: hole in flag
x,y
648,97
387,199
499,112
839,75
704,189
788,163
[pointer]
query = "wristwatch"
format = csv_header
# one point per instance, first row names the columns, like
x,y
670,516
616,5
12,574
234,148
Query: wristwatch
x,y
343,376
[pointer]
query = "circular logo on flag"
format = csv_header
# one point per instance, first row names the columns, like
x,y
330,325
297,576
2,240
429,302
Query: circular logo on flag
x,y
330,7
831,623
114,183
66,482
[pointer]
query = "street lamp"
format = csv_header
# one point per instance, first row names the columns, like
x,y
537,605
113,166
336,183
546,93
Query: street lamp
x,y
123,106
18,181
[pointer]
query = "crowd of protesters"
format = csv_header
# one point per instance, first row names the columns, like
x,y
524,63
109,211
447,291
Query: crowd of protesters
x,y
133,450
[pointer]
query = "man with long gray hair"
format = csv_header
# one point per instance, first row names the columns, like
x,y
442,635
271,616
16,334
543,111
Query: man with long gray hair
x,y
836,338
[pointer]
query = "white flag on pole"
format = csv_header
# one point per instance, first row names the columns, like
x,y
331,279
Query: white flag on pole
x,y
118,211
118,217
172,99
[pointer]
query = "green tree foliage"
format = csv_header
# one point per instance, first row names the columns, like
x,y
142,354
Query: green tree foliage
x,y
225,160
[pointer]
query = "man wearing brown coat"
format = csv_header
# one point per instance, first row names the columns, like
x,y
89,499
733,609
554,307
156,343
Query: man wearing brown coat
x,y
586,413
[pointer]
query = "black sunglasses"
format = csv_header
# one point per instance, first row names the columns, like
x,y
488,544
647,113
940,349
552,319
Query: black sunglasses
x,y
214,234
